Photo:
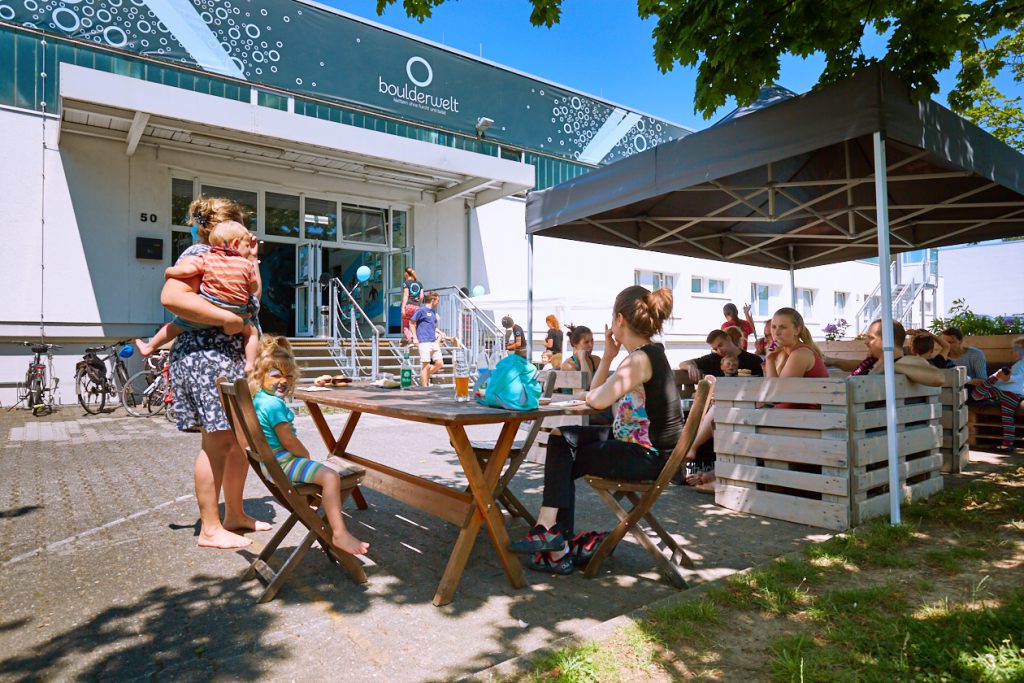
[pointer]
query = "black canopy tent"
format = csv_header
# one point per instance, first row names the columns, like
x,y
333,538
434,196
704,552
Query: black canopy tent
x,y
795,185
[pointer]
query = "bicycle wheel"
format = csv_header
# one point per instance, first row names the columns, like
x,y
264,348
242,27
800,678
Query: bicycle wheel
x,y
35,396
92,395
143,394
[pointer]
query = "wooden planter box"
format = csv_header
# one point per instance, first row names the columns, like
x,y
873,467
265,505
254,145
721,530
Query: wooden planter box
x,y
955,450
826,466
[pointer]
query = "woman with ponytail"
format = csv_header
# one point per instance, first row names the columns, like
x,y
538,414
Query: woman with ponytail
x,y
795,353
647,423
412,299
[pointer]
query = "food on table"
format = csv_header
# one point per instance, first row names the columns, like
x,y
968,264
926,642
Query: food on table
x,y
322,381
341,380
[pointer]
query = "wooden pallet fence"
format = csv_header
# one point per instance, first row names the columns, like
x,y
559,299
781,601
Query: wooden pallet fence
x,y
824,464
955,449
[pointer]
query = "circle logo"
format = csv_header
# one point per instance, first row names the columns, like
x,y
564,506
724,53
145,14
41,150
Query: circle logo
x,y
430,72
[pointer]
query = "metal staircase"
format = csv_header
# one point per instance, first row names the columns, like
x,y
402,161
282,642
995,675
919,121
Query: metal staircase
x,y
357,347
907,298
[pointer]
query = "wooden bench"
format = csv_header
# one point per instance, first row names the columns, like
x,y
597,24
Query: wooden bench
x,y
824,467
984,420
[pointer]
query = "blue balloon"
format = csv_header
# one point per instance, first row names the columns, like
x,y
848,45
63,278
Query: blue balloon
x,y
363,273
478,290
126,351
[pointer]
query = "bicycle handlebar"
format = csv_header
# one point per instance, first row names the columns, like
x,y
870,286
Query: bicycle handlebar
x,y
34,344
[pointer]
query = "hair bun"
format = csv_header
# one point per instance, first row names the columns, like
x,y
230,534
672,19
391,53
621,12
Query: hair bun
x,y
660,304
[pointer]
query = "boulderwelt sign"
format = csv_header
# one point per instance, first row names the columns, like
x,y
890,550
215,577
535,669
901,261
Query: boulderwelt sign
x,y
304,49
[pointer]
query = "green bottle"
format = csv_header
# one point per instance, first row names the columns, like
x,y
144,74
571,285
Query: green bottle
x,y
406,375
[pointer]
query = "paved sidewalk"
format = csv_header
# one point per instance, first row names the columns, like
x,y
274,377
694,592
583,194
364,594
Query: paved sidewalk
x,y
100,577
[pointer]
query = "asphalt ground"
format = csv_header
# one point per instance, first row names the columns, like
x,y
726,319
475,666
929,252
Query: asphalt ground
x,y
100,577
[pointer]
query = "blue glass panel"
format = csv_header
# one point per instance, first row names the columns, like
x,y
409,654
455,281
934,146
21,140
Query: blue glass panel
x,y
7,68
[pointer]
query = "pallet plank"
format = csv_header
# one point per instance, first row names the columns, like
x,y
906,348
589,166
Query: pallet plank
x,y
788,508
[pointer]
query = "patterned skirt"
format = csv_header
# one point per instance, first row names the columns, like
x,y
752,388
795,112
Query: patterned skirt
x,y
198,359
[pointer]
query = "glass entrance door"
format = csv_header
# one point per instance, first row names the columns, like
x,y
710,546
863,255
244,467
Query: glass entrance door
x,y
307,287
397,263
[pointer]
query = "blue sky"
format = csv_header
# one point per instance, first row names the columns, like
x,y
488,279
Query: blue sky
x,y
600,47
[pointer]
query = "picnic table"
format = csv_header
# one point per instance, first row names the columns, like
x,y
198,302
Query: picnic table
x,y
468,510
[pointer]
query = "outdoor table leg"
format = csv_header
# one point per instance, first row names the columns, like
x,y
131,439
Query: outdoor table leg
x,y
337,446
481,484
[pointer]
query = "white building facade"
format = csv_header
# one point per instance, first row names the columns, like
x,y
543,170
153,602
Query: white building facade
x,y
380,150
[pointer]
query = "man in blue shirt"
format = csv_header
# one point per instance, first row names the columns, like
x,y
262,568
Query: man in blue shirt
x,y
424,329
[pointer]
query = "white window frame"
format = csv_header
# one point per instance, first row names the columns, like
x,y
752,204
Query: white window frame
x,y
261,188
755,300
655,279
705,287
806,310
840,313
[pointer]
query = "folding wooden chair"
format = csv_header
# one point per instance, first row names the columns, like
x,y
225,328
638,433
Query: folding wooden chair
x,y
297,499
642,495
520,447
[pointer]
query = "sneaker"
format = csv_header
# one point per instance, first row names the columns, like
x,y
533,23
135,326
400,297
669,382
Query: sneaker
x,y
583,546
539,540
542,562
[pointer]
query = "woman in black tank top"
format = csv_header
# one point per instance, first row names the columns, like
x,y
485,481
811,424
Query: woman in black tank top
x,y
647,423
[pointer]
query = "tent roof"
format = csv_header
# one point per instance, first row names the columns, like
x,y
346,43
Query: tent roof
x,y
792,184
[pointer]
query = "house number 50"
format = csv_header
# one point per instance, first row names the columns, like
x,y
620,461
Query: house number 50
x,y
147,217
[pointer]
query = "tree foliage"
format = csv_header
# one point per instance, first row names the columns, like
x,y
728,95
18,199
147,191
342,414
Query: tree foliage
x,y
983,103
736,45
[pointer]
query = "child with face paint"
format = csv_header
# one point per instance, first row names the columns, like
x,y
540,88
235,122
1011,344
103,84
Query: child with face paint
x,y
271,381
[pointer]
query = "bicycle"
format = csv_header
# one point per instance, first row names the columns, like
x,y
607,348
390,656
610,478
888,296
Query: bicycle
x,y
148,392
92,381
40,387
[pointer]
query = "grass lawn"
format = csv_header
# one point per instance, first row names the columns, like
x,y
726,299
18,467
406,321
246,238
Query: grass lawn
x,y
938,598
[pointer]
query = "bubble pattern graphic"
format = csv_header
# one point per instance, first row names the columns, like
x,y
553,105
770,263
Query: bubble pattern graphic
x,y
575,121
244,32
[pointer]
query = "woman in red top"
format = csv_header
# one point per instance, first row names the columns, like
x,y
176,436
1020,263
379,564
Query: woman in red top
x,y
795,354
732,319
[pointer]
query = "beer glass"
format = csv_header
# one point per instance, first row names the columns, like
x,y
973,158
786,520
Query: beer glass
x,y
461,366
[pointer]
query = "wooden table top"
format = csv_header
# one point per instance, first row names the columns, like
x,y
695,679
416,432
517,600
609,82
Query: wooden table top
x,y
434,404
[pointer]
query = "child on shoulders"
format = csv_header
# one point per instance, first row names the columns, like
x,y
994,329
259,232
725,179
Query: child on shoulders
x,y
271,381
228,279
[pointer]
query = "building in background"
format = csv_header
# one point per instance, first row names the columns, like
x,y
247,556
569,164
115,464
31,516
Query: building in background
x,y
351,144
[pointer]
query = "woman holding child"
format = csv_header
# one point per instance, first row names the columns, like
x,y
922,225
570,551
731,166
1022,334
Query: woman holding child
x,y
647,424
199,357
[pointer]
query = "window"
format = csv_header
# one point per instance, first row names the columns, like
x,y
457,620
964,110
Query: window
x,y
399,229
244,197
181,231
840,303
759,299
706,285
181,197
654,280
805,300
282,215
362,224
321,221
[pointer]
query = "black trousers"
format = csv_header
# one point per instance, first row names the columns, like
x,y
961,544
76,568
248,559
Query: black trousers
x,y
590,450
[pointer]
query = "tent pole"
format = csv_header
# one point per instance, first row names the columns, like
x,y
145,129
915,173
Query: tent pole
x,y
529,297
792,280
885,294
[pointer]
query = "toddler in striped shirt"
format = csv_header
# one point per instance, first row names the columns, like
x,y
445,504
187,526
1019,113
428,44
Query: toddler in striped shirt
x,y
228,278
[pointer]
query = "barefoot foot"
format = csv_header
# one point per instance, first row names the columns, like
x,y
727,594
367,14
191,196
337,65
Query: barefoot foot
x,y
221,538
349,543
245,523
145,348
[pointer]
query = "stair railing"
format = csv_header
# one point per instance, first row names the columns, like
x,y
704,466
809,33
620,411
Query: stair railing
x,y
459,317
345,317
